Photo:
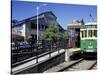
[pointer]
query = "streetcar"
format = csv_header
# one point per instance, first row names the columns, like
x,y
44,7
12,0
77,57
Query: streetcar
x,y
88,37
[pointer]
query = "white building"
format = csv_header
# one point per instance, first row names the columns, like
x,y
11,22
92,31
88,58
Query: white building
x,y
28,27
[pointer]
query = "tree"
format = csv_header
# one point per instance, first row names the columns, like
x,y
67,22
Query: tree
x,y
53,33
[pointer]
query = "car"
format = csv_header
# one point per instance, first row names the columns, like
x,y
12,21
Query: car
x,y
24,45
55,45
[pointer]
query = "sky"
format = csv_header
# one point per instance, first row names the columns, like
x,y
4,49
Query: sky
x,y
65,13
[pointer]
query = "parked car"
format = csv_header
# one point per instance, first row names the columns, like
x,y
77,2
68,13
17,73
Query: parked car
x,y
55,45
24,45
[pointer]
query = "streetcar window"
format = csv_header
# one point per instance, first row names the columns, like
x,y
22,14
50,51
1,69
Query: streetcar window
x,y
82,34
95,33
90,33
85,33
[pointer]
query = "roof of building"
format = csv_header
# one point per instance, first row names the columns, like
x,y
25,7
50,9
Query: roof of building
x,y
75,24
91,23
19,23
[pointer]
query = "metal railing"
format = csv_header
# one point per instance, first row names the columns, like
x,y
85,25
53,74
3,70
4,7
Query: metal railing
x,y
36,50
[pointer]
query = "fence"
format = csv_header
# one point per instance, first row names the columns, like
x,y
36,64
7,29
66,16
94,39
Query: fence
x,y
36,50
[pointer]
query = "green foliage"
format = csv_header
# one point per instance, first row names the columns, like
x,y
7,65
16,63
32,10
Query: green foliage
x,y
53,33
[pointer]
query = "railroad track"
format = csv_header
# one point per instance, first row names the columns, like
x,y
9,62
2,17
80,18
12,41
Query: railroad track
x,y
94,67
81,65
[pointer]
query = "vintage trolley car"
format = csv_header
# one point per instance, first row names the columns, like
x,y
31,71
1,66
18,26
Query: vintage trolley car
x,y
88,36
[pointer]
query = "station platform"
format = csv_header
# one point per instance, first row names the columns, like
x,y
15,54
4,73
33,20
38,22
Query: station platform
x,y
74,50
74,53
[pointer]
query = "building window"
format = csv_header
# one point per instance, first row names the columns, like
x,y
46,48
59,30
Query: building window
x,y
33,25
34,37
41,27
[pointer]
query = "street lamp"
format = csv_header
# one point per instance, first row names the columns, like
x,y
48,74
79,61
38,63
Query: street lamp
x,y
38,7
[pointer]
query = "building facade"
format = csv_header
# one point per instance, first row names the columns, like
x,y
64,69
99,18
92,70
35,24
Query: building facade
x,y
28,27
74,31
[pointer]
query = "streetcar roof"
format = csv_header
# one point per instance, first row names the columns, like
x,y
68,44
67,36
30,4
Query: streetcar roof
x,y
91,23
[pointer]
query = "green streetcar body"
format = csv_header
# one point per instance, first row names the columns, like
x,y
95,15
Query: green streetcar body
x,y
88,36
87,47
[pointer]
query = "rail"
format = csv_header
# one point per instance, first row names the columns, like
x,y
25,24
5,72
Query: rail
x,y
35,51
80,65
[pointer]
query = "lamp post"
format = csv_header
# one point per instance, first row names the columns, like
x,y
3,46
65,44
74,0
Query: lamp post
x,y
38,7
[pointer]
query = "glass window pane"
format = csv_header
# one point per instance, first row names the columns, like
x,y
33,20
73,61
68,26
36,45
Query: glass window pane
x,y
82,34
85,33
90,33
95,33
